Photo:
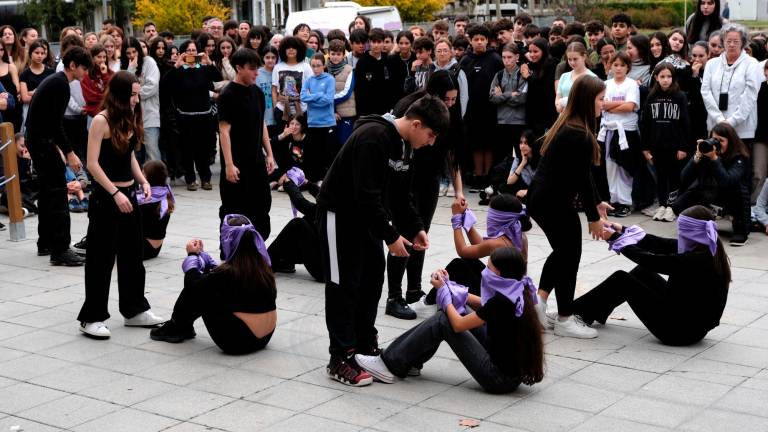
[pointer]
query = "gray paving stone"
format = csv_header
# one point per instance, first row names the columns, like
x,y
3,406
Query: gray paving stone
x,y
128,390
651,361
714,420
69,411
534,416
654,412
30,366
183,404
470,400
132,360
235,383
746,400
126,420
76,378
581,397
683,390
24,424
358,409
613,377
22,396
420,419
181,371
603,423
737,354
294,395
243,416
308,423
282,365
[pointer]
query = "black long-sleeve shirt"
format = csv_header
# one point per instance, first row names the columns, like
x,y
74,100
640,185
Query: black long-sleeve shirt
x,y
190,87
372,86
565,171
732,175
358,181
693,277
665,122
45,118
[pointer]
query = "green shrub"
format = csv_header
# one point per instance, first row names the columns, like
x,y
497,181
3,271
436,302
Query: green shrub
x,y
653,14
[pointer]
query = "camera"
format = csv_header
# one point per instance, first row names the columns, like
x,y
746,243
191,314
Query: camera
x,y
708,145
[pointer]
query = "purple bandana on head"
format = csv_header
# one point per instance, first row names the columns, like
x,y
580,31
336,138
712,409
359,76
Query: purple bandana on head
x,y
503,223
159,194
631,235
692,232
231,235
453,293
296,175
512,289
464,220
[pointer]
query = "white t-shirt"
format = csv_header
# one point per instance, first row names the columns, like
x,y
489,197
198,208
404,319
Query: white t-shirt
x,y
628,91
288,80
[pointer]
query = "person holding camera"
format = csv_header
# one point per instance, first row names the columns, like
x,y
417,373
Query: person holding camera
x,y
719,173
731,83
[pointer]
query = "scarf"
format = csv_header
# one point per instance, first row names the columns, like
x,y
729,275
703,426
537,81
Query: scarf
x,y
631,235
159,194
335,69
692,232
512,289
458,296
502,223
231,236
464,220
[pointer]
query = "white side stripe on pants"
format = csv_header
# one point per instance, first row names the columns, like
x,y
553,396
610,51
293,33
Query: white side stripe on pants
x,y
333,256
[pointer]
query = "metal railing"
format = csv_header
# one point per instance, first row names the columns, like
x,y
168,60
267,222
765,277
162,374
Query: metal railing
x,y
12,182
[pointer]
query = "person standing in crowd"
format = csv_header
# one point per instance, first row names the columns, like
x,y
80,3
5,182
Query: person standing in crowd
x,y
9,79
245,186
288,77
421,68
34,74
704,21
114,218
95,82
539,71
399,65
318,93
639,51
606,49
576,55
191,80
621,27
444,60
480,66
760,146
372,78
569,152
659,48
508,92
264,81
697,110
44,141
344,99
75,122
148,74
353,220
150,30
358,39
715,43
595,31
460,25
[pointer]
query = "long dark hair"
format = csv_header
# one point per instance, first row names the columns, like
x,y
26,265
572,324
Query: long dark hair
x,y
124,124
248,268
579,113
94,72
509,203
735,145
656,89
538,68
153,45
721,261
535,145
715,22
662,38
218,56
526,341
132,42
156,173
643,46
684,50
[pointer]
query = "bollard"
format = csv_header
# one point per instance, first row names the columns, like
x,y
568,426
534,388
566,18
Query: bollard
x,y
12,182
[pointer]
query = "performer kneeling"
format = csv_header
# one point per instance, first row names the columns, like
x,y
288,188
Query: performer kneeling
x,y
500,343
236,299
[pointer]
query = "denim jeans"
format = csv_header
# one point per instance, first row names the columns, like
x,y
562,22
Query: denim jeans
x,y
416,346
152,143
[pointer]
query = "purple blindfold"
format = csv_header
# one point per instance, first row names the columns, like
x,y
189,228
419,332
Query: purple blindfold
x,y
159,193
692,232
512,289
503,223
231,236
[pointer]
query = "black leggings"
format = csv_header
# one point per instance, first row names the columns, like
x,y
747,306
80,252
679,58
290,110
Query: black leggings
x,y
563,230
150,251
197,136
298,243
649,297
425,199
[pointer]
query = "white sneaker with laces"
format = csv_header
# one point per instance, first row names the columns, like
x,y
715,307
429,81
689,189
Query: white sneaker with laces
x,y
375,366
650,210
541,312
574,327
144,319
96,330
669,215
659,213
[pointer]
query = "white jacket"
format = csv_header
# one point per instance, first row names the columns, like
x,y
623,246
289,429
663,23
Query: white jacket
x,y
741,81
149,95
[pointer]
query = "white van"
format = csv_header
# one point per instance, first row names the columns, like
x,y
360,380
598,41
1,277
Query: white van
x,y
338,15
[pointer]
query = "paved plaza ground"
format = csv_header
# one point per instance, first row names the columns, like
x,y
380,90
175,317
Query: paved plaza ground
x,y
54,378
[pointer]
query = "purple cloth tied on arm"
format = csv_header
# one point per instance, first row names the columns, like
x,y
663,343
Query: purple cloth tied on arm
x,y
232,234
512,289
296,175
201,262
503,223
464,220
159,194
631,235
453,293
692,232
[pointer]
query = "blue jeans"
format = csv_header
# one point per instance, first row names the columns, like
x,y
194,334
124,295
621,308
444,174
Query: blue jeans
x,y
152,143
414,347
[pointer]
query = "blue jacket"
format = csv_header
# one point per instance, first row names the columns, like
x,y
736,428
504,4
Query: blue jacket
x,y
318,93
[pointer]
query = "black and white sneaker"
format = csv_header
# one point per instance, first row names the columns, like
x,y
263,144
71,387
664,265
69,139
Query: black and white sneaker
x,y
398,308
348,372
375,366
738,240
172,332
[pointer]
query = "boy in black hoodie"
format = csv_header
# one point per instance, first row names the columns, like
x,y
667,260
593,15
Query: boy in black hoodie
x,y
480,66
352,220
372,78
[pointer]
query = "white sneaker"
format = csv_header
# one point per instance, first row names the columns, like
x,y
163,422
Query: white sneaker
x,y
669,215
375,366
144,319
650,210
659,213
443,189
541,312
574,327
450,192
96,330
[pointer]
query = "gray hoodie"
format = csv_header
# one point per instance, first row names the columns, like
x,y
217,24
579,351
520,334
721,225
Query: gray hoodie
x,y
510,109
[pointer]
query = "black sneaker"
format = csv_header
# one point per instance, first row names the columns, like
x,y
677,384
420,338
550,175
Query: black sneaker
x,y
431,297
172,332
346,371
281,267
3,227
82,244
413,296
622,211
67,258
616,207
738,240
398,308
43,251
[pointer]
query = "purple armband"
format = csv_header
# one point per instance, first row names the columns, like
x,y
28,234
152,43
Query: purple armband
x,y
209,261
631,235
464,220
193,262
444,297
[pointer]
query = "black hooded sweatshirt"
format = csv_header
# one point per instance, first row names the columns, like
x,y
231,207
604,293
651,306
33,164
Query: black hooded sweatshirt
x,y
480,70
358,181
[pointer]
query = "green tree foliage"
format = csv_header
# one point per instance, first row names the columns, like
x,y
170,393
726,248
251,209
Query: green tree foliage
x,y
57,14
410,10
178,16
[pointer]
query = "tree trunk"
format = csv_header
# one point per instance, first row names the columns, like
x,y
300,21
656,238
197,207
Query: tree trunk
x,y
268,13
498,9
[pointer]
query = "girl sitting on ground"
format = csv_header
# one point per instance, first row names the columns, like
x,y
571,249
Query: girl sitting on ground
x,y
156,209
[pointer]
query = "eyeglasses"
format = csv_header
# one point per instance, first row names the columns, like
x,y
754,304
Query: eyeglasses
x,y
733,42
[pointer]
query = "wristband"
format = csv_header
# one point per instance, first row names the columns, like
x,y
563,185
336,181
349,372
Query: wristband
x,y
115,192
